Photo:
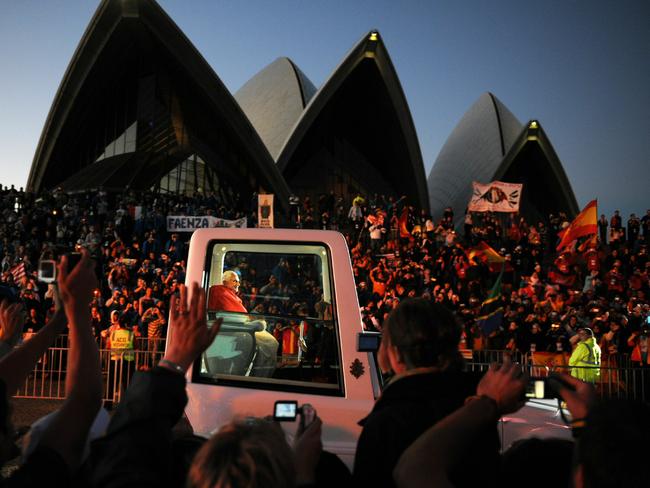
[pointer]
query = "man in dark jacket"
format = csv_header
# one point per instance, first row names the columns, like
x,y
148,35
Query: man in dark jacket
x,y
420,345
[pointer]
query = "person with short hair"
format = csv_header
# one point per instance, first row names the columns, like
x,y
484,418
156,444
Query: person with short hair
x,y
420,346
224,297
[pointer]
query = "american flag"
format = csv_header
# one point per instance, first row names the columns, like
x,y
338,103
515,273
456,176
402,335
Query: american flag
x,y
18,272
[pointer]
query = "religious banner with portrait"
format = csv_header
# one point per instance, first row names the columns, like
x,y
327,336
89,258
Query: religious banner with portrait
x,y
265,211
495,197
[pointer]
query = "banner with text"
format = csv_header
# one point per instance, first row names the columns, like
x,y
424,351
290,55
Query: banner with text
x,y
265,211
495,197
189,223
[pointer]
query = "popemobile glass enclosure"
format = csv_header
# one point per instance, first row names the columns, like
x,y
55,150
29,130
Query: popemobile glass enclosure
x,y
291,321
288,334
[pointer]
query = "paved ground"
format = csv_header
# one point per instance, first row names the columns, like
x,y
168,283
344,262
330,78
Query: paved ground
x,y
26,410
539,418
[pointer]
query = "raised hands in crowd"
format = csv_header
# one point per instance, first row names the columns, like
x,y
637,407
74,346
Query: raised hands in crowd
x,y
609,437
60,446
190,336
11,325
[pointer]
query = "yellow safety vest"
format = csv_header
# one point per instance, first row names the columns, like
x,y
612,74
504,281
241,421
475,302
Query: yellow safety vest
x,y
122,345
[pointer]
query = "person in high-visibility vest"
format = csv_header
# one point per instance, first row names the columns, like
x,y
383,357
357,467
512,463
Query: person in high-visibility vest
x,y
122,344
585,359
120,367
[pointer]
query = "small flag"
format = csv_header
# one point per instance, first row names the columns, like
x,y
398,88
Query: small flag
x,y
491,315
486,255
403,221
18,272
586,223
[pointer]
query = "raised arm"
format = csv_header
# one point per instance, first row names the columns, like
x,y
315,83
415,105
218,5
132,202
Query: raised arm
x,y
428,461
19,362
11,326
68,431
136,450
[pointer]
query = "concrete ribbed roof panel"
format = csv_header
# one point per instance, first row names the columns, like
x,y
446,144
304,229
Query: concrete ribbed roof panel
x,y
473,152
273,101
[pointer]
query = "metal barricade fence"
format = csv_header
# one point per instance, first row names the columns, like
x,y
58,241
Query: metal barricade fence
x,y
497,355
631,383
48,378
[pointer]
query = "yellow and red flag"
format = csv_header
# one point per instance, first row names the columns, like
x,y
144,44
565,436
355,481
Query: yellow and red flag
x,y
484,253
586,223
404,232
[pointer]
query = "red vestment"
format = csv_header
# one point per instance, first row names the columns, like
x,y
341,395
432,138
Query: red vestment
x,y
222,298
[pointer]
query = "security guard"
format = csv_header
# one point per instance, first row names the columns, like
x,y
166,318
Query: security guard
x,y
122,344
585,360
120,366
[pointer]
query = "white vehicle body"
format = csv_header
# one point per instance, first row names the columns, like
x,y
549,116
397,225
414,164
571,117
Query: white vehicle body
x,y
215,399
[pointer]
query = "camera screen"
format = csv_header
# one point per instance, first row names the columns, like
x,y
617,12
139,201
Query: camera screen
x,y
47,269
535,389
285,410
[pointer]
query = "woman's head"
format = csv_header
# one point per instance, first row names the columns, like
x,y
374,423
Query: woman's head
x,y
245,453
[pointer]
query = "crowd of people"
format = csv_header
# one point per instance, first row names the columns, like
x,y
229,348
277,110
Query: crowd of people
x,y
398,252
546,295
419,281
432,421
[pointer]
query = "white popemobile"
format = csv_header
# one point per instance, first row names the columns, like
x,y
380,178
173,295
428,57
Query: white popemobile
x,y
319,359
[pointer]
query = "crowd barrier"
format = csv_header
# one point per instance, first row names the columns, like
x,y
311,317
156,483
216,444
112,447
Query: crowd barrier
x,y
47,380
632,383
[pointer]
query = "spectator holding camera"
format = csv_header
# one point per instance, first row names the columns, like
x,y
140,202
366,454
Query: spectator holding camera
x,y
254,452
58,454
433,457
609,451
136,450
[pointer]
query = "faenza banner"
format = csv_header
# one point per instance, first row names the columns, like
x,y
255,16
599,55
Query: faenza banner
x,y
495,197
188,223
265,211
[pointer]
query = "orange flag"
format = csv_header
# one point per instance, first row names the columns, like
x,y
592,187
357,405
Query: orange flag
x,y
586,223
484,253
403,221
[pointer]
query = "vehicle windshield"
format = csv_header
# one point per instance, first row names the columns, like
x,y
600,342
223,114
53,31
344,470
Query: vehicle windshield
x,y
279,329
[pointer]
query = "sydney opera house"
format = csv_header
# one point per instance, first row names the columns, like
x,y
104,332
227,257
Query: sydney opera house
x,y
139,107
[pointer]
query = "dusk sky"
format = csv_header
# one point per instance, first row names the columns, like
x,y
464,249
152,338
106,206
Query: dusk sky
x,y
582,68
